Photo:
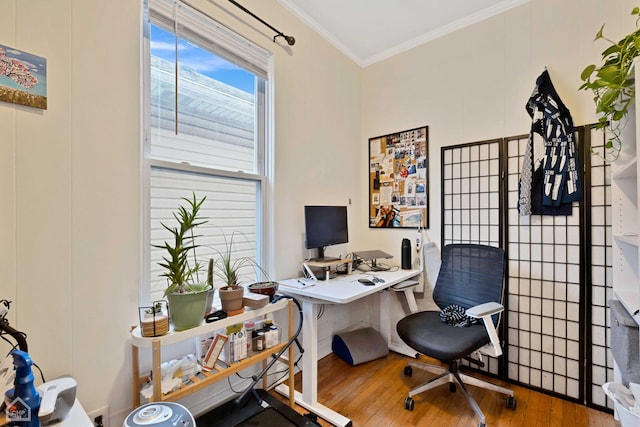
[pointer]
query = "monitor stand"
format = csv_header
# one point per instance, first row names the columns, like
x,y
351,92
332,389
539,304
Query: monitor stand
x,y
322,258
321,272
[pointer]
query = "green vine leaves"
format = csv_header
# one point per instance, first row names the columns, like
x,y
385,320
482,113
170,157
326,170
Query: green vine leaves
x,y
613,86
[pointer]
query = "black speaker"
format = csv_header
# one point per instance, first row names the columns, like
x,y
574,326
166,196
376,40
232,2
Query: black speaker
x,y
406,254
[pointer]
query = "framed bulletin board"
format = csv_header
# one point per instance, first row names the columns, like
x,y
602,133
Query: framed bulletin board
x,y
399,179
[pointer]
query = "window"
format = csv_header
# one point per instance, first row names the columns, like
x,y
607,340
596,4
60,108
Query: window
x,y
206,133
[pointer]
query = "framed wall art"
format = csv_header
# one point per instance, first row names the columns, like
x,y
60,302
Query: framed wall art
x,y
23,78
399,179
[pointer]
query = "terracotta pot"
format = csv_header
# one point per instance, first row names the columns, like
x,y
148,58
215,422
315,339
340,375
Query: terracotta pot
x,y
231,298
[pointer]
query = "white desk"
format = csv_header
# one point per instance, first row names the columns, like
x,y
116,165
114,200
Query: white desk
x,y
341,290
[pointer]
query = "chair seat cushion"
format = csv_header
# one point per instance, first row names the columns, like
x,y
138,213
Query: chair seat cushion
x,y
428,335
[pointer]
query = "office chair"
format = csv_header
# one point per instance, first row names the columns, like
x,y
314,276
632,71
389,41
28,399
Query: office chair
x,y
471,276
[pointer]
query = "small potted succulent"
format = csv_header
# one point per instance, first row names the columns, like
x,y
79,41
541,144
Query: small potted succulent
x,y
187,295
228,270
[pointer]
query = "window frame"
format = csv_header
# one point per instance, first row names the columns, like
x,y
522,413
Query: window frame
x,y
248,56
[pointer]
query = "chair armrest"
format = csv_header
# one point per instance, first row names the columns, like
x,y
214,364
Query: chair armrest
x,y
488,308
484,312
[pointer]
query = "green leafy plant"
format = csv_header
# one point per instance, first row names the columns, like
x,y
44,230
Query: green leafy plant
x,y
228,268
613,85
181,264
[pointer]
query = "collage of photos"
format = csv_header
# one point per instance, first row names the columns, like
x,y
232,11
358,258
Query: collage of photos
x,y
398,179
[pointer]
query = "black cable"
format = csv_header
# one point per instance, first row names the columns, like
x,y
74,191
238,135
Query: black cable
x,y
231,385
13,346
283,371
294,339
19,337
286,370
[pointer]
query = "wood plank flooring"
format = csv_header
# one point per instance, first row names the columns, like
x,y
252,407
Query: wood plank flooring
x,y
373,394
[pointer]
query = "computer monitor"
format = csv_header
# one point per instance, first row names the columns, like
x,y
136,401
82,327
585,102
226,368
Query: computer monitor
x,y
325,226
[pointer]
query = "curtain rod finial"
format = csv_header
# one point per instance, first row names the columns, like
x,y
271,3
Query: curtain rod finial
x,y
290,39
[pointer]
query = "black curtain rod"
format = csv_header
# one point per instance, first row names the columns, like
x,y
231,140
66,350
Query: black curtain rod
x,y
290,40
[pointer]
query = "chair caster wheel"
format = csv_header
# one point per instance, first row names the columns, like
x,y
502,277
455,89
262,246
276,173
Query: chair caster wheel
x,y
408,404
408,371
452,387
511,402
482,425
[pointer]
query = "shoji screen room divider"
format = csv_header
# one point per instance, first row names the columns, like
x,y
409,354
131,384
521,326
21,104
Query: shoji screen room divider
x,y
556,324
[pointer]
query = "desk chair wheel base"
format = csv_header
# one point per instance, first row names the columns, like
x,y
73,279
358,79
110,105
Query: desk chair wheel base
x,y
408,404
408,371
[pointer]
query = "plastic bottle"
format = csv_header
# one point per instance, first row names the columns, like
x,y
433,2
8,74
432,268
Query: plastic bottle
x,y
23,400
249,328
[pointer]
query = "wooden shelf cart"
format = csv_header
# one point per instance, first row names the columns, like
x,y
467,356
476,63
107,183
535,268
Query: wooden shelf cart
x,y
205,378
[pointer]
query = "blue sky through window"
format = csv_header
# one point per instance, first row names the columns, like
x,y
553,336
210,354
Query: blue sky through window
x,y
206,63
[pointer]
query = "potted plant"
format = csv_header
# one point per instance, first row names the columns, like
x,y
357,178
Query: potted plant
x,y
613,85
186,294
228,271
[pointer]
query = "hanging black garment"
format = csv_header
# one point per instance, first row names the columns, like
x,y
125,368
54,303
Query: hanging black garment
x,y
537,207
551,121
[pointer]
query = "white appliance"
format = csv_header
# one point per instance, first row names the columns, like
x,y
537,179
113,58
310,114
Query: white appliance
x,y
160,414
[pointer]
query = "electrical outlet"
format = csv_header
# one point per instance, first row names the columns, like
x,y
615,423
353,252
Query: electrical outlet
x,y
100,417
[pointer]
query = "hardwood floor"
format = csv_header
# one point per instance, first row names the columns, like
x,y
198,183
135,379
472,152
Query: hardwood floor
x,y
373,394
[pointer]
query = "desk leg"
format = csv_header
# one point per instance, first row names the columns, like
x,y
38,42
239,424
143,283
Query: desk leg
x,y
385,316
310,360
308,399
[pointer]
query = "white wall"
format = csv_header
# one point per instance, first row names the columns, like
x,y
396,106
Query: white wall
x,y
70,192
70,180
70,177
473,84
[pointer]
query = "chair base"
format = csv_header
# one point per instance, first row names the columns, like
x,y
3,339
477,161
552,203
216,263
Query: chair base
x,y
453,376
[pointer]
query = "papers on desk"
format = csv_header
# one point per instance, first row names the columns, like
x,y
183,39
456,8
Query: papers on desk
x,y
301,283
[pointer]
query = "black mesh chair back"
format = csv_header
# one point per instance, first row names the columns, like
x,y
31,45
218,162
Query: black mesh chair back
x,y
470,275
